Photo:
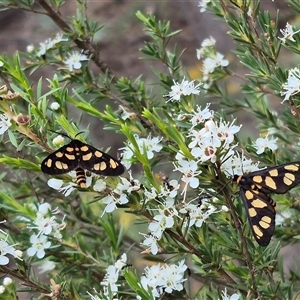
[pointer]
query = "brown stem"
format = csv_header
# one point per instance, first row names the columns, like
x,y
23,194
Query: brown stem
x,y
24,280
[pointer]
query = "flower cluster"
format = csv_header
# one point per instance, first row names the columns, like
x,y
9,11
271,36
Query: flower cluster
x,y
163,279
48,44
212,60
150,145
227,297
74,60
5,123
119,195
288,33
292,86
111,277
6,248
203,5
5,283
209,138
184,88
262,143
44,225
67,188
198,213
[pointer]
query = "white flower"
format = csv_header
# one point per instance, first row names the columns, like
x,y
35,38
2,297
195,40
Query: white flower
x,y
125,114
151,242
189,173
292,86
59,37
211,63
55,106
203,5
288,33
7,281
30,48
227,297
18,254
184,88
39,244
74,60
57,184
120,263
58,141
50,43
164,219
234,164
262,143
167,278
99,186
110,280
4,123
5,248
112,202
198,214
2,289
93,297
149,144
199,116
206,46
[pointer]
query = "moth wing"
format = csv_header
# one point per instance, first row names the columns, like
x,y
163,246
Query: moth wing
x,y
61,161
261,214
277,179
99,162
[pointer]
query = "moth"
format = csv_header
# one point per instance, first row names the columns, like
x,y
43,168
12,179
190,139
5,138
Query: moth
x,y
255,190
79,156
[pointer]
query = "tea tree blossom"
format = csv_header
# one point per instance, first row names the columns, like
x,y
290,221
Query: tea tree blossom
x,y
227,297
4,123
7,281
99,186
206,46
74,60
57,184
288,33
55,106
111,277
111,202
58,141
199,116
39,244
184,88
198,214
67,189
49,44
262,143
5,249
149,144
235,164
164,219
292,86
164,279
189,171
203,5
213,62
45,222
151,242
93,297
